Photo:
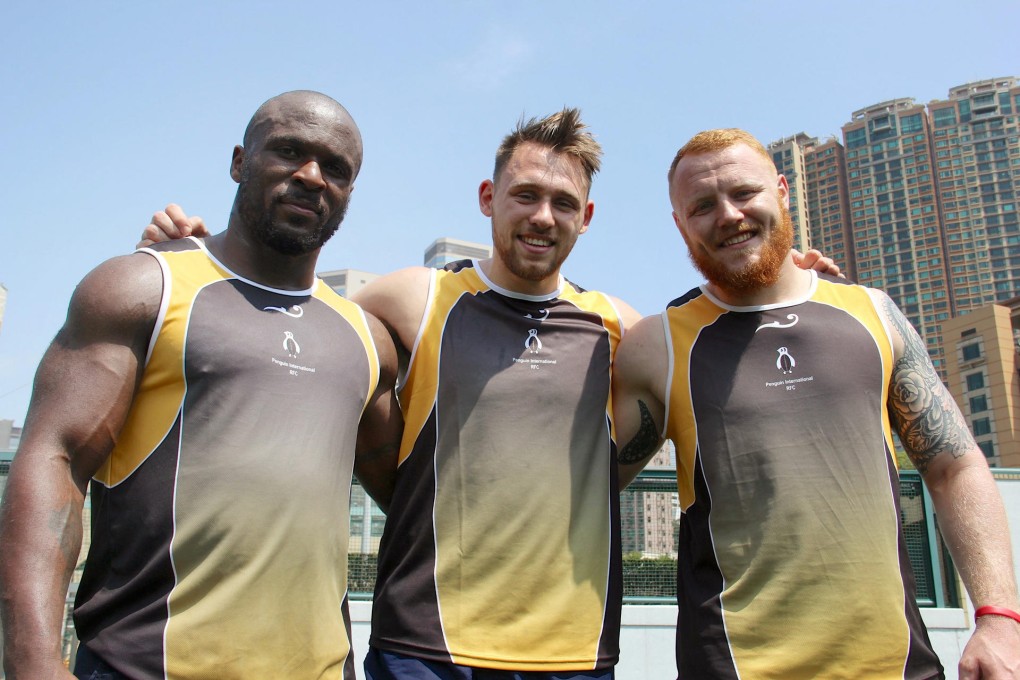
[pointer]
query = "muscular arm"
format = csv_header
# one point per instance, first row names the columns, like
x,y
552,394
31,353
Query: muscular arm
x,y
969,509
398,300
375,462
82,393
639,384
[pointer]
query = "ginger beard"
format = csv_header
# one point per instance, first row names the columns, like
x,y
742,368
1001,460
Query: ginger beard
x,y
759,274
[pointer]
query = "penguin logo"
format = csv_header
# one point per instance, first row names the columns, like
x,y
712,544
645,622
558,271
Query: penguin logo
x,y
785,362
290,344
533,343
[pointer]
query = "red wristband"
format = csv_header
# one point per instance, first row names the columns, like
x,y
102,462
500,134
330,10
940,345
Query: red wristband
x,y
997,611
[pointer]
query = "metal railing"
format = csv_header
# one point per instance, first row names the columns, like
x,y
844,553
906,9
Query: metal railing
x,y
650,517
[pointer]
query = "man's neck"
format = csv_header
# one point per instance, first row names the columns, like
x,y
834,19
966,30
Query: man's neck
x,y
496,272
259,263
792,285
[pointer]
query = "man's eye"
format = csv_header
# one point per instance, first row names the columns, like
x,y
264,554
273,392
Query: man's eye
x,y
287,151
337,170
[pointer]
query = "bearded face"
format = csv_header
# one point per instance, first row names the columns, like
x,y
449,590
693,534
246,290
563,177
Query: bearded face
x,y
761,271
264,211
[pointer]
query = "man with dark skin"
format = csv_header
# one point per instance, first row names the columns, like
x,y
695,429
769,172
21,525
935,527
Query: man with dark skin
x,y
212,391
781,389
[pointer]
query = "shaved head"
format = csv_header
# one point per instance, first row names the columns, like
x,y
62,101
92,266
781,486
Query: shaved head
x,y
286,106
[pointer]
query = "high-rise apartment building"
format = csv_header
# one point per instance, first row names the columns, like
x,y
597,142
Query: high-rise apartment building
x,y
647,517
897,237
977,164
983,372
443,251
828,204
789,156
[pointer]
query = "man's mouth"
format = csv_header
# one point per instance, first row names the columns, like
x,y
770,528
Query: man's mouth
x,y
739,237
302,206
537,242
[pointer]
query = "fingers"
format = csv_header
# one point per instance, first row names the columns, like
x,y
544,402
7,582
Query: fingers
x,y
172,223
186,226
813,259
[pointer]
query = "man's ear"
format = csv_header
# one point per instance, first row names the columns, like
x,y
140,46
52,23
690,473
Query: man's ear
x,y
485,192
236,161
589,210
784,191
676,221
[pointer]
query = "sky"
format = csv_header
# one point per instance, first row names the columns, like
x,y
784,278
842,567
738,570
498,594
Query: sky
x,y
111,110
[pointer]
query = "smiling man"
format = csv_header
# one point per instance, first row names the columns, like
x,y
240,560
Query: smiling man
x,y
211,391
501,550
781,389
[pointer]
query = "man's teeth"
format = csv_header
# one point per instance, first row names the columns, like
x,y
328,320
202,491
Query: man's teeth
x,y
536,241
739,238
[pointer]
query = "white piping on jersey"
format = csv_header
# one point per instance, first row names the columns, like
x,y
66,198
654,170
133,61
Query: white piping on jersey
x,y
669,374
293,293
402,380
513,294
800,299
164,301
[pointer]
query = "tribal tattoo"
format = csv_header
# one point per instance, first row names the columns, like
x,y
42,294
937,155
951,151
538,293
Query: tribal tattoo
x,y
920,406
644,443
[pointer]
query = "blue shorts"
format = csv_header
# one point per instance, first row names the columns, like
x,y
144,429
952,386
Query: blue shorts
x,y
383,665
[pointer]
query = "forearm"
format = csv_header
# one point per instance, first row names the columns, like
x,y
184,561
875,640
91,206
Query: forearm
x,y
973,522
42,533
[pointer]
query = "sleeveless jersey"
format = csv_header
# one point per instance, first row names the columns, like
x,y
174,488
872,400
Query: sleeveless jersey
x,y
792,560
501,548
220,519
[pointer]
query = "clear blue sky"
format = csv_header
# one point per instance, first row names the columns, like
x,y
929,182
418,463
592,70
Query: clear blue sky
x,y
111,110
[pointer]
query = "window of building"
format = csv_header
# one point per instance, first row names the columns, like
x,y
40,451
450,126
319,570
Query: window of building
x,y
982,426
910,123
975,381
987,448
978,404
971,352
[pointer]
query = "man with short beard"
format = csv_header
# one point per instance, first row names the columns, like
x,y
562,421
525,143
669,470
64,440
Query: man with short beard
x,y
211,390
780,389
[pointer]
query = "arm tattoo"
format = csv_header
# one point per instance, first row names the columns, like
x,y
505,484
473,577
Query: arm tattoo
x,y
920,406
644,443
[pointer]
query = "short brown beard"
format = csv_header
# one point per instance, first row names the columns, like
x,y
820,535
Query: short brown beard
x,y
757,275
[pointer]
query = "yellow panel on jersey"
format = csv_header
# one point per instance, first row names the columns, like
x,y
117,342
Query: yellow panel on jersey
x,y
790,546
501,547
220,522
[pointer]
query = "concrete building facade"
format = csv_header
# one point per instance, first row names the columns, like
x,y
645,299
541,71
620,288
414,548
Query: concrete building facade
x,y
983,373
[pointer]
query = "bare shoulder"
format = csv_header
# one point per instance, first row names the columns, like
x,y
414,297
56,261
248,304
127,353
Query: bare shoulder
x,y
398,300
628,314
120,293
641,358
384,347
904,337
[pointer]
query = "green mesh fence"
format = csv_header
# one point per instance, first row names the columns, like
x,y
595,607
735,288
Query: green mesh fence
x,y
649,517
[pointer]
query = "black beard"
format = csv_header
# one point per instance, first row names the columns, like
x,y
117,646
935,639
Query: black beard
x,y
267,232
